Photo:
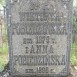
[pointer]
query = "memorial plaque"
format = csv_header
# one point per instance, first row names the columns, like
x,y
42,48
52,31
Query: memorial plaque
x,y
39,37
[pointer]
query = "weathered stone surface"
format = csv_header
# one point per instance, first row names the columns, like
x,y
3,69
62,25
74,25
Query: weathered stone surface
x,y
39,37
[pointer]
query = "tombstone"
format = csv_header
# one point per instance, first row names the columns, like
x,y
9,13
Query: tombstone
x,y
39,37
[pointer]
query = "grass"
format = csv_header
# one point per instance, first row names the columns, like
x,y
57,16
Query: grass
x,y
3,49
3,61
3,56
74,54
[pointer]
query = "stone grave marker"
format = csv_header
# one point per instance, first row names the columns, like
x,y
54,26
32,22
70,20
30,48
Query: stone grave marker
x,y
39,34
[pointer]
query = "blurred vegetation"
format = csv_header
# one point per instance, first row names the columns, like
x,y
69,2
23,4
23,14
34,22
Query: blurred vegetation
x,y
4,48
74,38
2,2
74,54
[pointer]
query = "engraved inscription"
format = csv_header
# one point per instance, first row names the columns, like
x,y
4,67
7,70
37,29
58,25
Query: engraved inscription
x,y
39,31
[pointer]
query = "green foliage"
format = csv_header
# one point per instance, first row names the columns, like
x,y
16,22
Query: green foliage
x,y
3,61
74,23
2,2
4,49
74,54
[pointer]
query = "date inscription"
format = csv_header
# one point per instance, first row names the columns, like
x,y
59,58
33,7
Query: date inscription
x,y
39,70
